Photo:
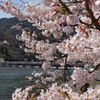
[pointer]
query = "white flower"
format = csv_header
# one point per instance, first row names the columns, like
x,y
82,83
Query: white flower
x,y
90,90
29,88
49,79
67,29
97,3
46,65
21,95
29,78
59,93
72,19
38,74
86,20
83,76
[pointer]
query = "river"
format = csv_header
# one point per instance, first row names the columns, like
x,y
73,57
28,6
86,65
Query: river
x,y
10,78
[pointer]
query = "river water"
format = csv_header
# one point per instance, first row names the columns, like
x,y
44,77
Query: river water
x,y
10,78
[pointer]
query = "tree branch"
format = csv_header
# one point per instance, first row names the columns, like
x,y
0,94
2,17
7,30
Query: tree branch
x,y
74,2
84,87
97,80
95,68
64,5
65,68
84,23
23,1
94,21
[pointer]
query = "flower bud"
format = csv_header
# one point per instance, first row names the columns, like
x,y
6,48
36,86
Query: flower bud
x,y
54,4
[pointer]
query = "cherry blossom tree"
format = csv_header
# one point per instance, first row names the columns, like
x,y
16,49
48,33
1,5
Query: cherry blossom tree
x,y
78,21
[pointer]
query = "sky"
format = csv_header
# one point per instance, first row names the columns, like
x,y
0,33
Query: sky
x,y
5,15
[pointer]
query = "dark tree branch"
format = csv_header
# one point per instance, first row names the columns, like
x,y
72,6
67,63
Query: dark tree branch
x,y
65,68
93,62
84,23
55,39
23,1
84,87
95,68
60,57
74,2
94,21
98,18
64,5
97,80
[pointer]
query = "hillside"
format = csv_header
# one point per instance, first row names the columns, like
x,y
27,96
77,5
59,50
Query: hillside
x,y
9,27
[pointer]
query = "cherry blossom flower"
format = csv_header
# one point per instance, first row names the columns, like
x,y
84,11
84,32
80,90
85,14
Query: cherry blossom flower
x,y
38,74
83,76
68,29
86,20
72,19
83,46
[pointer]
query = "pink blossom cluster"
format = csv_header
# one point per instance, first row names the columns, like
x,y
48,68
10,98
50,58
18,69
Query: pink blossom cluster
x,y
83,76
52,93
30,42
79,44
20,94
57,74
80,47
38,74
34,12
80,16
46,50
29,78
46,65
65,93
12,9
